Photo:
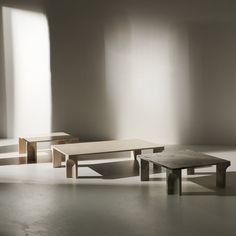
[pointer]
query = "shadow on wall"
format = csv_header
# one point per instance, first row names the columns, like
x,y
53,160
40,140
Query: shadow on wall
x,y
107,81
80,104
155,70
3,118
143,69
212,73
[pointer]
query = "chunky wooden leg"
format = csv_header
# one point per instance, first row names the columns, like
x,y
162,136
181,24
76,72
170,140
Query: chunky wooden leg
x,y
74,140
173,178
144,170
157,168
135,153
71,168
31,152
22,146
190,171
221,174
22,150
22,160
61,142
57,158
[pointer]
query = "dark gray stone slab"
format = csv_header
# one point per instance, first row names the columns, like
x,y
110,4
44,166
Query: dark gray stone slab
x,y
178,160
182,159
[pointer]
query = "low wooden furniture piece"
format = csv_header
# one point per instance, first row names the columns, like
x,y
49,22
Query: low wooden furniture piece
x,y
29,145
174,162
71,152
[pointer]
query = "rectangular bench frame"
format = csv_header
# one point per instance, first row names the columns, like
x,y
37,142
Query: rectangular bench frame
x,y
29,145
72,160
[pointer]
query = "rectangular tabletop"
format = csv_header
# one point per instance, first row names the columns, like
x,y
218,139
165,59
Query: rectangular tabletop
x,y
182,159
49,137
104,147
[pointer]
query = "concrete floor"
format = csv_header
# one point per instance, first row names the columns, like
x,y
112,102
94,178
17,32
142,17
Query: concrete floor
x,y
109,199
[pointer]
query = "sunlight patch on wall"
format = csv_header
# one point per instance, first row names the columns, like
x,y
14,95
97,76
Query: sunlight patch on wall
x,y
27,66
142,77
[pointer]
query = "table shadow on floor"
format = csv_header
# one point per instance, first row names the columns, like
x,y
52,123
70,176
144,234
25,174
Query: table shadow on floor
x,y
114,170
209,182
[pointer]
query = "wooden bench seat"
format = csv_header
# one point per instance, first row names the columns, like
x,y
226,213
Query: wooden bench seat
x,y
72,152
28,145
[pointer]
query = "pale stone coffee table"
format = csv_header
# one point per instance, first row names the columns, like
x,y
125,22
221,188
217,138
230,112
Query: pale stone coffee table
x,y
175,161
72,152
28,145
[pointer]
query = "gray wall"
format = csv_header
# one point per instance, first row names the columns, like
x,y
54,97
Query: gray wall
x,y
3,131
159,70
214,81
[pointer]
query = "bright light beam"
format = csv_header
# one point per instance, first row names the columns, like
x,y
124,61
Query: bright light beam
x,y
28,78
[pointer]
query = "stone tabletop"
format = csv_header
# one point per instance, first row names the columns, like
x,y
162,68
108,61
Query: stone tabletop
x,y
182,159
49,137
105,146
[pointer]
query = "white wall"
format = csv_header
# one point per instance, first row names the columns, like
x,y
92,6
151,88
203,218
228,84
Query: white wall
x,y
25,86
156,70
159,70
147,77
27,72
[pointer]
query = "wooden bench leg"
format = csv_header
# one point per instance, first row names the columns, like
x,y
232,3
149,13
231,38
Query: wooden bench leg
x,y
64,141
22,150
221,174
74,140
22,146
144,170
71,168
31,152
174,181
156,167
190,171
57,158
60,142
135,153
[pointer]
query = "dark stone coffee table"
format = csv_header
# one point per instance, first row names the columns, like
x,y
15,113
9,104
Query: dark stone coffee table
x,y
175,161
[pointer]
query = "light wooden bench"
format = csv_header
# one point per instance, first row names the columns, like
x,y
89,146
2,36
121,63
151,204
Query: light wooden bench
x,y
175,161
29,145
72,152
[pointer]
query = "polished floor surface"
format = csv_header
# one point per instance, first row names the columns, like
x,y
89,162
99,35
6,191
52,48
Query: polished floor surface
x,y
108,199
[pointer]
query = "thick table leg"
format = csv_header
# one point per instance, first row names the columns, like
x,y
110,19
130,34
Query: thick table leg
x,y
135,153
221,174
190,171
71,168
60,142
156,167
74,140
174,181
22,150
144,170
57,158
22,146
31,152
